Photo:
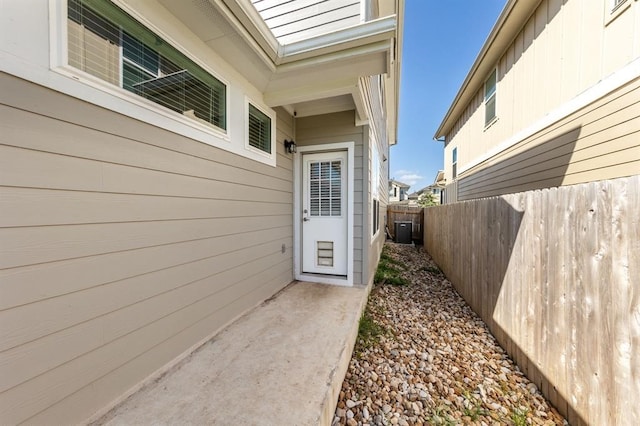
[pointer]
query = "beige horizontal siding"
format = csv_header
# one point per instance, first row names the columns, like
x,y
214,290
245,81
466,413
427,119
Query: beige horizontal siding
x,y
116,379
295,20
123,246
564,49
333,128
601,141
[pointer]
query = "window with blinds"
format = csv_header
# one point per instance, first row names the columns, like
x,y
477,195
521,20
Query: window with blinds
x,y
107,43
259,130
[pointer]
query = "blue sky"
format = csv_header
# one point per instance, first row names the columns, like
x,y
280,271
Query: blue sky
x,y
441,41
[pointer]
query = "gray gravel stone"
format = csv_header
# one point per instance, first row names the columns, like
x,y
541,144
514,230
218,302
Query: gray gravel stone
x,y
435,361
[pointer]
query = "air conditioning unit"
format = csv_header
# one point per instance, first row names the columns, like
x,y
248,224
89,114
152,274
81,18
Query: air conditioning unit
x,y
403,232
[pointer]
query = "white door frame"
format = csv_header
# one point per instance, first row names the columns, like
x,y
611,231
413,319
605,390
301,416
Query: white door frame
x,y
297,212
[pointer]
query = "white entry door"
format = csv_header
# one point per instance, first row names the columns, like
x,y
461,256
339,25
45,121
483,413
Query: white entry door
x,y
324,213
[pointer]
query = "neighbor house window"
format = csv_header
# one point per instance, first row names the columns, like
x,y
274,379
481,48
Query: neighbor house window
x,y
106,42
490,98
259,129
454,163
616,3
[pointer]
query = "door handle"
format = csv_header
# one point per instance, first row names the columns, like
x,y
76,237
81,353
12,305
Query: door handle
x,y
306,219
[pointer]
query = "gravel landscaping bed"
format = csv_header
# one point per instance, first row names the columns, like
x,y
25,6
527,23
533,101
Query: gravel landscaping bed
x,y
423,357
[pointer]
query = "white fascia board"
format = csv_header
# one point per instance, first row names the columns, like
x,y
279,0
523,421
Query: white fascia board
x,y
356,35
247,21
398,64
362,117
264,45
352,54
250,14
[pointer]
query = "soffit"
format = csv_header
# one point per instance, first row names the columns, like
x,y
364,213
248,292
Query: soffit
x,y
318,68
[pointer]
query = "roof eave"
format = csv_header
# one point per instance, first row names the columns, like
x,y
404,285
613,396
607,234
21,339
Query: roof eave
x,y
513,17
398,63
358,43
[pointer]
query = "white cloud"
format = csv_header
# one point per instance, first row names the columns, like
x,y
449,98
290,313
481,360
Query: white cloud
x,y
407,176
403,172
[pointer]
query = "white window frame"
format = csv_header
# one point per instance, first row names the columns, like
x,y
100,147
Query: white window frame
x,y
126,102
272,116
492,97
297,211
615,8
454,163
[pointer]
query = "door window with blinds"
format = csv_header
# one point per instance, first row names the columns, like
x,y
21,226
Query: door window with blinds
x,y
106,42
325,192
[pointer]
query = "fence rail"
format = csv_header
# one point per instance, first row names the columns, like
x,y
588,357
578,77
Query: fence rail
x,y
403,213
555,274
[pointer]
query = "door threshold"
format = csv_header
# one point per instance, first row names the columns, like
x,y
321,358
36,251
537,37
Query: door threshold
x,y
341,280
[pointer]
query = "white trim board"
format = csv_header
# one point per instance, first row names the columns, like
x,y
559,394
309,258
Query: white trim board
x,y
613,82
52,71
297,217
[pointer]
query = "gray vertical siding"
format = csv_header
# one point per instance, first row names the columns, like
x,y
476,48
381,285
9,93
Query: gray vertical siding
x,y
340,127
123,246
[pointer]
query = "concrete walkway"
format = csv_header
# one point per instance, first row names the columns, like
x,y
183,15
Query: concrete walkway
x,y
280,364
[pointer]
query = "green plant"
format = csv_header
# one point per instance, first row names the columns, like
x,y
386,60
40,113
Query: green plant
x,y
387,259
441,416
427,199
474,409
369,331
519,416
389,270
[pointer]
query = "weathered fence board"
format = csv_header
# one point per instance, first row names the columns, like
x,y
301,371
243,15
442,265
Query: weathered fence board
x,y
555,274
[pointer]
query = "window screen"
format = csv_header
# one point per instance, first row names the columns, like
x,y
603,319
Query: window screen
x,y
106,42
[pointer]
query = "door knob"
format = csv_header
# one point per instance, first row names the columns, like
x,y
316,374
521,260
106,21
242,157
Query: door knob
x,y
306,219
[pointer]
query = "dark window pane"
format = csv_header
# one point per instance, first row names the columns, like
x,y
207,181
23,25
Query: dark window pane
x,y
259,129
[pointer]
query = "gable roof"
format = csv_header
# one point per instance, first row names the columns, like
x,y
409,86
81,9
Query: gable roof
x,y
512,19
397,183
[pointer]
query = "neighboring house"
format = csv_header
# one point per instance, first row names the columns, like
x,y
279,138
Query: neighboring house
x,y
150,190
436,188
398,191
552,99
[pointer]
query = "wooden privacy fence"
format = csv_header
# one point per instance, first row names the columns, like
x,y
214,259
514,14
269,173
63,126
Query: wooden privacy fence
x,y
403,213
555,274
